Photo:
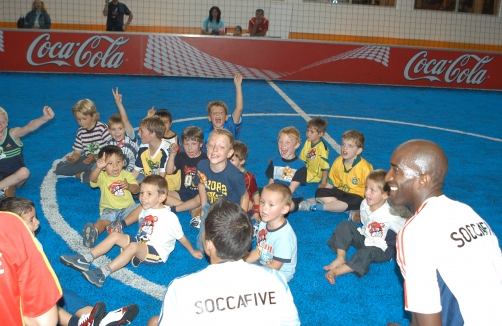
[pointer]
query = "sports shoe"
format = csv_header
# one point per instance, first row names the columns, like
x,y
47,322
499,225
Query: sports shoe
x,y
355,216
114,227
122,316
95,277
306,205
89,235
94,317
76,262
195,222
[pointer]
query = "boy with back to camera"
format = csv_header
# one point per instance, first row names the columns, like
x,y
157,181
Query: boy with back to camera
x,y
152,154
13,172
315,152
276,245
217,178
157,234
238,160
217,113
226,237
375,240
187,198
117,186
347,179
288,168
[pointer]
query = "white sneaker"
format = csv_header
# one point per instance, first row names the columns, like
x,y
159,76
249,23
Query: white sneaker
x,y
195,222
122,316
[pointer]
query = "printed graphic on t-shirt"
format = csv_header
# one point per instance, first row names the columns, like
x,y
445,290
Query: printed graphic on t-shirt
x,y
93,148
266,251
189,177
312,154
2,154
115,189
376,229
284,173
146,227
154,166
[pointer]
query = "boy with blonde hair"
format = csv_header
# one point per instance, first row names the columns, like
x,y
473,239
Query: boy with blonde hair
x,y
239,159
347,179
287,168
117,186
157,234
217,113
152,154
276,245
216,178
315,152
13,172
375,240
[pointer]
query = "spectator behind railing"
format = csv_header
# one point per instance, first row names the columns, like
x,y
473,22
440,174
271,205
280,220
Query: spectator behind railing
x,y
115,11
213,24
38,18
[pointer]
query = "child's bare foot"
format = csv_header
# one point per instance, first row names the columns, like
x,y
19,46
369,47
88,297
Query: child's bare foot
x,y
79,176
330,276
334,264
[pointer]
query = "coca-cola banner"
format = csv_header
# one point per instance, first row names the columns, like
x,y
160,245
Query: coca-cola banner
x,y
182,55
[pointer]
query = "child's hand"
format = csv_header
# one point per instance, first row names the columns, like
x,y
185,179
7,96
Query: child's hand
x,y
237,79
150,112
257,217
117,96
89,159
124,184
73,157
48,113
322,185
173,149
197,254
101,163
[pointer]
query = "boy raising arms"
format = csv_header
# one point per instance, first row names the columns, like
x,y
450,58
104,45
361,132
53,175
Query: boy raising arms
x,y
276,245
375,240
288,168
13,172
187,198
152,154
217,113
239,159
117,186
157,234
315,152
347,178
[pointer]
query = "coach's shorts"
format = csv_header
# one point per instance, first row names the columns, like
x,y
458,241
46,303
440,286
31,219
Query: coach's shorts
x,y
353,200
152,256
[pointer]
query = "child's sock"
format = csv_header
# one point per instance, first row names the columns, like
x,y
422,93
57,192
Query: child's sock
x,y
106,270
89,257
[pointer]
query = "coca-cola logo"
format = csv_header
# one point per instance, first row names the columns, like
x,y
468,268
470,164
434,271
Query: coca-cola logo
x,y
450,70
43,52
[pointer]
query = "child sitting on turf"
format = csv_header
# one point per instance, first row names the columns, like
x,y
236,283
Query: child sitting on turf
x,y
187,198
157,234
276,245
375,240
347,179
117,186
91,136
315,152
152,154
239,159
216,178
13,172
217,113
287,168
167,118
73,310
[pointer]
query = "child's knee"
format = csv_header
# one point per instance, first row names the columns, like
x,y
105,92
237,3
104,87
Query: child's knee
x,y
23,174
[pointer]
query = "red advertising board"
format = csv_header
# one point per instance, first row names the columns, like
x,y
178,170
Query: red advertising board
x,y
196,56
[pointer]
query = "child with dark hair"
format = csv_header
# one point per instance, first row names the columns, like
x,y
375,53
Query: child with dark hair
x,y
375,240
117,186
157,234
227,235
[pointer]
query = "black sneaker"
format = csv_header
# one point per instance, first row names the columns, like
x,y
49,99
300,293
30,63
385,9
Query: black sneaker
x,y
76,262
95,277
89,235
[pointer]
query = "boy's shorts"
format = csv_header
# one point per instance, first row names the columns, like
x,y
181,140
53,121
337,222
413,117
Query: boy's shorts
x,y
297,202
152,256
72,302
116,215
353,200
187,194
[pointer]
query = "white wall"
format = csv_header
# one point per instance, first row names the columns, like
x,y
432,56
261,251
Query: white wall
x,y
287,16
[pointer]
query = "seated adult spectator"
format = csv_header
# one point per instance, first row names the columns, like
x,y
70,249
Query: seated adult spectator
x,y
258,25
115,12
37,18
213,24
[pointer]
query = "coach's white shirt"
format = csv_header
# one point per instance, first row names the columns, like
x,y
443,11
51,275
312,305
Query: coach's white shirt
x,y
229,293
